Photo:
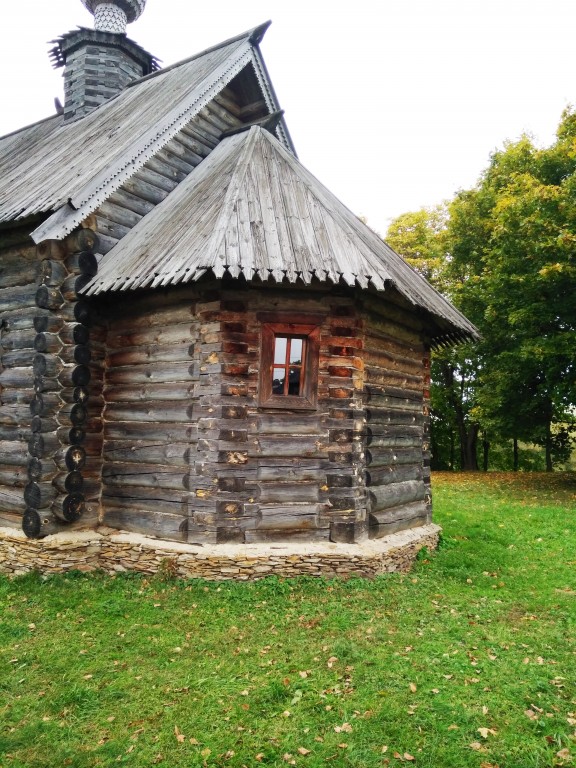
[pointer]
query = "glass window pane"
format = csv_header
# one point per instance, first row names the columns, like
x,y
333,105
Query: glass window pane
x,y
294,381
278,379
280,349
295,350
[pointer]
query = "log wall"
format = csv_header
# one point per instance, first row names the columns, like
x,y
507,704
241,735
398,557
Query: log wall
x,y
397,381
20,272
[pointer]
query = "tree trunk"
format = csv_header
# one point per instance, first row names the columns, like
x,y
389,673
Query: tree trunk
x,y
485,451
516,454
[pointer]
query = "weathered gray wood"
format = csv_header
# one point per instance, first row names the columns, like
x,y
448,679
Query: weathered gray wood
x,y
261,536
153,372
82,239
151,353
39,524
288,492
129,393
387,475
168,453
292,516
39,495
14,339
392,456
377,531
13,476
155,476
387,496
161,525
305,446
11,499
164,432
153,411
173,327
13,453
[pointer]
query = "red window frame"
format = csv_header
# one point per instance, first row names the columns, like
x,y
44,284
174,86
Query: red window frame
x,y
309,333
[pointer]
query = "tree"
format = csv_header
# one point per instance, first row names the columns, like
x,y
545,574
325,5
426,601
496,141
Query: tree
x,y
505,253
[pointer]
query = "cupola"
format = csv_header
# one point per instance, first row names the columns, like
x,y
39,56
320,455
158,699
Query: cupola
x,y
99,63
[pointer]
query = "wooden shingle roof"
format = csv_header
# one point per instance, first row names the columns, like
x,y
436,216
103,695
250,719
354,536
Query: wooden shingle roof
x,y
69,168
252,209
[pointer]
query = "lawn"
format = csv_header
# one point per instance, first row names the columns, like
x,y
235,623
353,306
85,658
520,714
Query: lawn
x,y
470,660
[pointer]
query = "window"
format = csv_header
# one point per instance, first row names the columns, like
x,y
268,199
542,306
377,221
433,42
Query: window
x,y
289,364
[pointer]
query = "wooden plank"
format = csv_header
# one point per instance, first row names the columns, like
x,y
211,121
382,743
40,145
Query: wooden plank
x,y
153,372
176,411
150,354
288,492
288,445
164,432
160,525
385,529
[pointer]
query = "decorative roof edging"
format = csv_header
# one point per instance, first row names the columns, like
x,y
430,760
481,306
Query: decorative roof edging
x,y
66,219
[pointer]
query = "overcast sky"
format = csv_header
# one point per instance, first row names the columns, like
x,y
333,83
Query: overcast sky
x,y
392,105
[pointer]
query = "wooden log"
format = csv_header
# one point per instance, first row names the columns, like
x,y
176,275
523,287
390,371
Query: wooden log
x,y
82,240
130,202
39,495
156,411
388,475
20,274
11,499
280,423
43,445
288,445
48,298
69,508
15,415
110,228
152,453
303,517
286,493
170,499
46,365
144,476
83,262
13,453
394,441
44,404
52,273
396,494
47,323
164,432
175,327
16,378
142,393
17,358
52,249
18,298
71,458
150,354
36,524
13,339
170,168
71,287
47,342
392,456
18,396
149,373
380,417
161,525
141,188
41,469
13,476
73,376
79,354
119,214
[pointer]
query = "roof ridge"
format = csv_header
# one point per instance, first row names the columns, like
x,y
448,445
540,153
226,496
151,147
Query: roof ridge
x,y
30,125
254,36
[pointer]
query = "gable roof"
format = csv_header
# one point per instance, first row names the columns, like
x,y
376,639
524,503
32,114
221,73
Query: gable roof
x,y
252,209
71,167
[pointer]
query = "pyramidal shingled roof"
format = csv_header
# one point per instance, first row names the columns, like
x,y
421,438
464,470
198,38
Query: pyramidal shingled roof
x,y
252,209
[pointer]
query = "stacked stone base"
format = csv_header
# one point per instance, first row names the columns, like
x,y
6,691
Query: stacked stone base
x,y
115,552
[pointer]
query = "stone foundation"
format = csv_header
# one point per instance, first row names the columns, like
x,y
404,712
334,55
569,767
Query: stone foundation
x,y
115,551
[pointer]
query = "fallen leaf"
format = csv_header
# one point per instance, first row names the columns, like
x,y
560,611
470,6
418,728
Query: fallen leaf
x,y
343,746
384,749
179,736
303,675
453,727
531,714
485,731
194,741
304,751
206,752
408,756
484,710
259,757
564,754
346,727
476,745
413,688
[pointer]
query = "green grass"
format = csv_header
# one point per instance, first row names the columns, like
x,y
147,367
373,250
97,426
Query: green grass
x,y
99,671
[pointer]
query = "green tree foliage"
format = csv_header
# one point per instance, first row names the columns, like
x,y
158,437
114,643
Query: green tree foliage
x,y
506,256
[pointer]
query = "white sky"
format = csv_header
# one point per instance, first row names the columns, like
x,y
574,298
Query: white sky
x,y
393,105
